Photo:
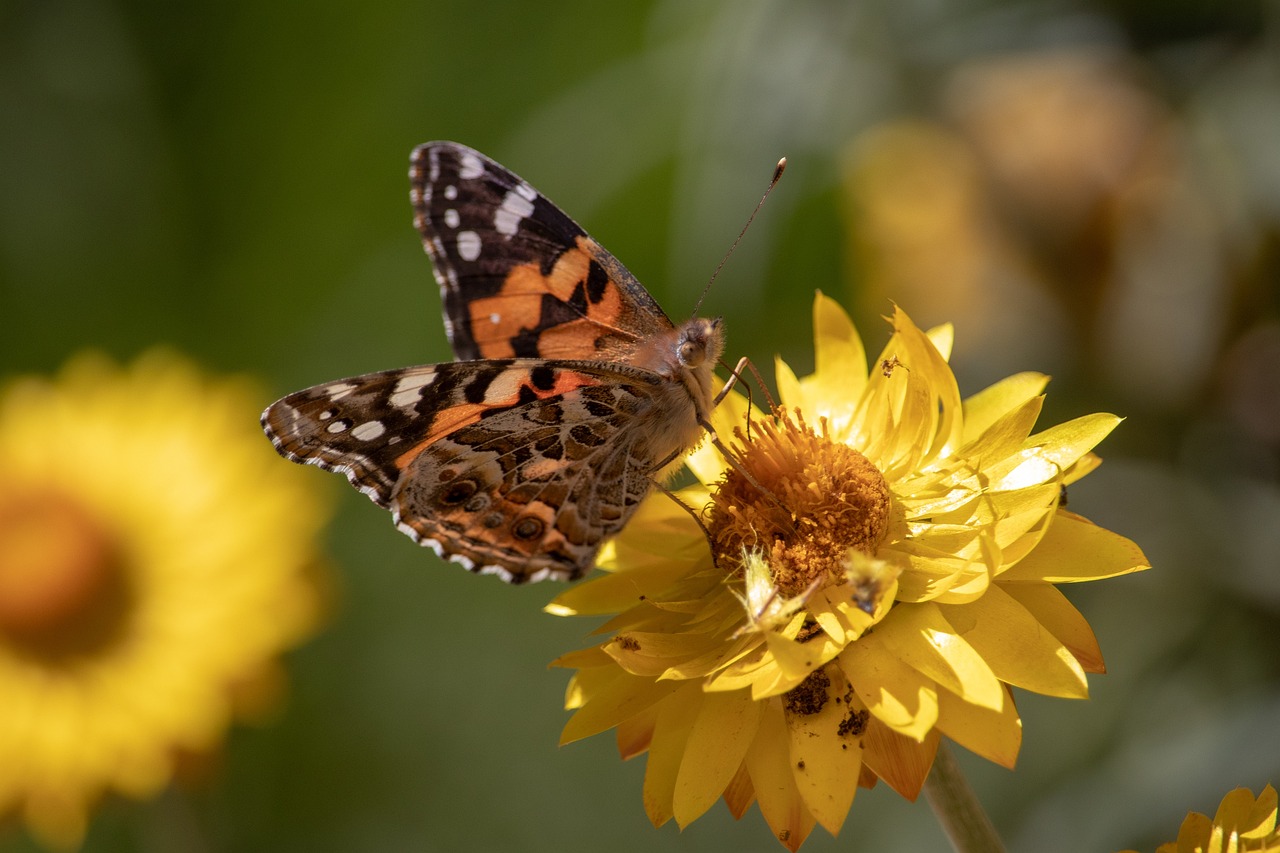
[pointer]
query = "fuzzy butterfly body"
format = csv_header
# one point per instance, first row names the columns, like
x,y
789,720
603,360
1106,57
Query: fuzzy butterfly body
x,y
572,389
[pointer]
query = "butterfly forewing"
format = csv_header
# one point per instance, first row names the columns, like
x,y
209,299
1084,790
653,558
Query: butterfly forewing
x,y
519,278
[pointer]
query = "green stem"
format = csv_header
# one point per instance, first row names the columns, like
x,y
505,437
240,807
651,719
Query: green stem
x,y
957,807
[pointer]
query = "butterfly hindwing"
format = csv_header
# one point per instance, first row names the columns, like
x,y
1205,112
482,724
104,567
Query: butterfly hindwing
x,y
515,467
518,277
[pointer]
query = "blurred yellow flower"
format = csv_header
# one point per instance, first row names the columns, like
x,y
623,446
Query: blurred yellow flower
x,y
154,562
1242,825
881,572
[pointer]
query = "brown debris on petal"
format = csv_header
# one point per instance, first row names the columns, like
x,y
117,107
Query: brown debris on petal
x,y
810,696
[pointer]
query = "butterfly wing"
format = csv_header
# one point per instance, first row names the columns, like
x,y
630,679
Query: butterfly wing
x,y
516,467
518,277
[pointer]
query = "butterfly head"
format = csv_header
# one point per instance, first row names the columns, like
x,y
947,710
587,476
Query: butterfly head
x,y
699,342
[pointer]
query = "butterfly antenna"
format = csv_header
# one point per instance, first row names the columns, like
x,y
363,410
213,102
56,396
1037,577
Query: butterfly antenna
x,y
777,176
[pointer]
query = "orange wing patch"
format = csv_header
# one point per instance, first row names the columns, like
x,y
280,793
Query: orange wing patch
x,y
584,307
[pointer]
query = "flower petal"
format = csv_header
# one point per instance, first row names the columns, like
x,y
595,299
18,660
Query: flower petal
x,y
838,351
769,763
826,762
943,339
739,795
909,414
992,403
1240,813
922,637
636,733
1060,618
718,742
614,701
1016,647
676,715
1065,443
791,393
995,735
901,762
840,367
897,694
1076,549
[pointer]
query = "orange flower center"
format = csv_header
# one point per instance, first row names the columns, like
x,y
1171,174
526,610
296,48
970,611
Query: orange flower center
x,y
62,590
801,499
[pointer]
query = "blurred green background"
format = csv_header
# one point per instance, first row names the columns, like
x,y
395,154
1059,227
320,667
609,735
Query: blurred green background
x,y
1087,189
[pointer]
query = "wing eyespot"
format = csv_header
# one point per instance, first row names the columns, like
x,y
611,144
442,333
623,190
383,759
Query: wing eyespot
x,y
528,528
458,493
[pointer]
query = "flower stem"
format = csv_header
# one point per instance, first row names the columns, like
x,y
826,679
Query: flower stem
x,y
957,808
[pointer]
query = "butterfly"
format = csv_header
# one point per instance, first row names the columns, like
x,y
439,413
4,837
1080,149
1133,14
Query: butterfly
x,y
572,390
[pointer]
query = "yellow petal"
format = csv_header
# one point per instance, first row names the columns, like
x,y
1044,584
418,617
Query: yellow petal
x,y
769,763
1004,436
1240,812
636,733
1075,549
614,702
839,356
676,716
1084,465
943,338
912,414
826,762
718,742
791,393
1060,618
994,402
1016,647
1065,443
651,653
739,796
894,692
1261,820
995,735
900,761
922,637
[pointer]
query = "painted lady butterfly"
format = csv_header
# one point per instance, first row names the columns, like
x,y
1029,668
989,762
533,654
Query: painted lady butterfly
x,y
572,391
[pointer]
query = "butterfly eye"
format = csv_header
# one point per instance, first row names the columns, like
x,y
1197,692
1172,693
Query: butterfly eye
x,y
688,352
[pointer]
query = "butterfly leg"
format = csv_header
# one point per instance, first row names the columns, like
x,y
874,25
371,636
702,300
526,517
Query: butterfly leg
x,y
697,519
736,374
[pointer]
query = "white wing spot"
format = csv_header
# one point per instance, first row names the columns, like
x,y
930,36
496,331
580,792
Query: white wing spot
x,y
408,391
513,209
451,192
451,218
505,386
527,191
339,390
339,426
368,430
470,167
468,245
325,415
495,318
